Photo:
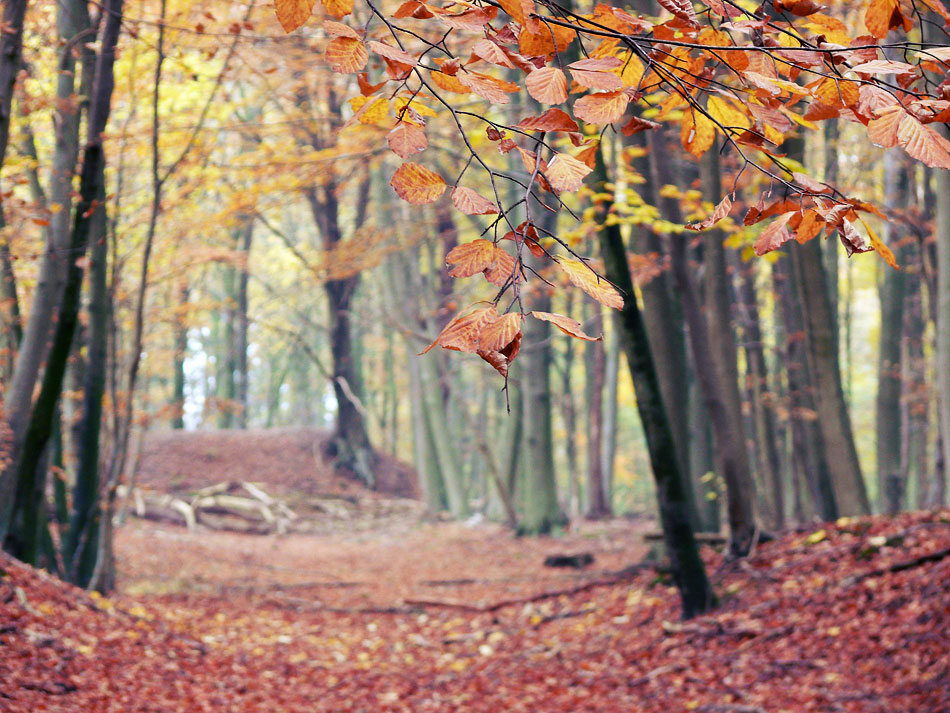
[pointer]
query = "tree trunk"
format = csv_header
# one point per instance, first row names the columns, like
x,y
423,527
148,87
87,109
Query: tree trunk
x,y
671,487
808,450
890,483
181,350
834,421
72,19
542,512
713,372
938,490
24,540
82,542
599,507
762,396
241,337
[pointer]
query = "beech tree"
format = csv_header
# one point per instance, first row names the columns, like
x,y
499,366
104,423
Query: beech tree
x,y
738,80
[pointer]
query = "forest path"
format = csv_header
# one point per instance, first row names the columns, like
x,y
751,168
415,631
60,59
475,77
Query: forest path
x,y
849,617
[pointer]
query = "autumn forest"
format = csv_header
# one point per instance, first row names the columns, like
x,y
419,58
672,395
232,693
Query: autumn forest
x,y
462,355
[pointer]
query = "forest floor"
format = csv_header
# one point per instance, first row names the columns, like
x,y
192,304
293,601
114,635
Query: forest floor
x,y
420,615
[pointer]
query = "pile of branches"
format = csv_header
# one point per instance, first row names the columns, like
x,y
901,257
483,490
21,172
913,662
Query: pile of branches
x,y
232,505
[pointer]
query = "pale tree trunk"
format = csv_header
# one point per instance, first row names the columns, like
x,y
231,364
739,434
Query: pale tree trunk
x,y
611,402
808,451
762,395
243,323
181,350
938,490
542,512
598,506
888,430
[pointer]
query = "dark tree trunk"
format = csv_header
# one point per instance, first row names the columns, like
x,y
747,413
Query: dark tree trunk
x,y
672,491
23,540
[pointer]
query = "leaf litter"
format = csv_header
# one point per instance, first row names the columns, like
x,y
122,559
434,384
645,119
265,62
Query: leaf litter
x,y
851,616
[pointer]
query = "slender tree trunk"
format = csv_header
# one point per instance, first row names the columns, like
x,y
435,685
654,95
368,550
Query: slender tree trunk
x,y
23,540
597,364
542,512
11,48
610,411
181,350
671,486
73,24
808,450
890,482
938,492
81,544
241,345
762,396
834,420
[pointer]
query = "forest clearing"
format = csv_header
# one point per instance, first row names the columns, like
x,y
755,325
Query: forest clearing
x,y
422,615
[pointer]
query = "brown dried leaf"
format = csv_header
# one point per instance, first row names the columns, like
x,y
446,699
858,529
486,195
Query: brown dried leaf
x,y
566,173
471,202
720,212
552,120
346,55
407,139
601,108
584,277
567,325
471,258
774,236
547,85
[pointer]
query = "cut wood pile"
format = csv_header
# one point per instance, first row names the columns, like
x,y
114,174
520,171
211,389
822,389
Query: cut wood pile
x,y
242,507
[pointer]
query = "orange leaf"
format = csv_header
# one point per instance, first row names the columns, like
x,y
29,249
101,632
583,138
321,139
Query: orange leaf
x,y
472,203
583,276
606,81
636,125
720,212
682,9
471,258
338,29
880,248
497,335
393,53
601,108
504,270
923,143
552,120
566,173
417,184
881,16
490,52
291,14
774,236
407,139
547,85
461,334
494,90
567,325
338,8
883,129
346,55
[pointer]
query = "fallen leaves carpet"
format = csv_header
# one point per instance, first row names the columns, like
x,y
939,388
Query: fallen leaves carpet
x,y
851,617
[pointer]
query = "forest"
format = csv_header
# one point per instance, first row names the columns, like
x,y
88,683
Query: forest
x,y
411,355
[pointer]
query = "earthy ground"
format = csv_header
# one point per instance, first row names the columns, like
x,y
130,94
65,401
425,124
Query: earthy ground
x,y
416,615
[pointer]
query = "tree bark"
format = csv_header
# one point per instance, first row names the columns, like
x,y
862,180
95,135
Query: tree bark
x,y
599,507
890,482
24,540
834,420
672,492
938,492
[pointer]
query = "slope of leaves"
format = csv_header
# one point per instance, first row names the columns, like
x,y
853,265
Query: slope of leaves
x,y
844,617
